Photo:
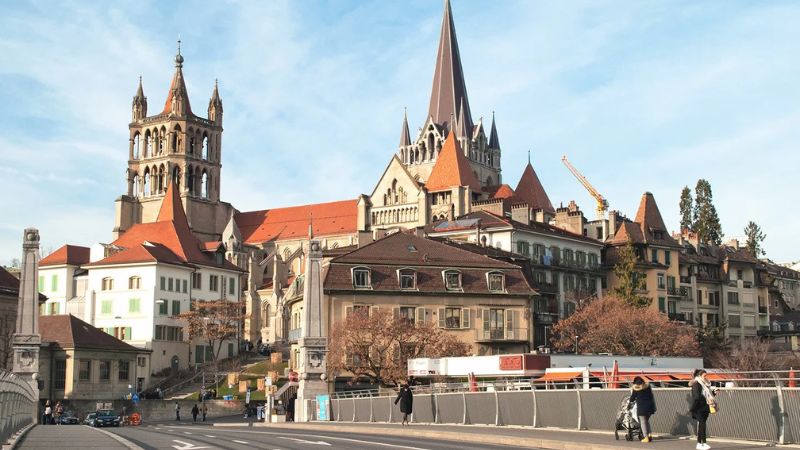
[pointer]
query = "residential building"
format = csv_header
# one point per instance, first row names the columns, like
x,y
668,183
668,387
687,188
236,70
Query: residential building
x,y
657,256
9,297
63,280
80,362
784,288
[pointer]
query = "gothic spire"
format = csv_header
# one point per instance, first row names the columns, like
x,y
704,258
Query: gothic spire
x,y
462,131
405,135
494,141
215,105
139,106
177,90
449,89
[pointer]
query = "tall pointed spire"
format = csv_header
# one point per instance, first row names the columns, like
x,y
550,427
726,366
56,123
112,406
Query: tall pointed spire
x,y
449,88
172,207
215,105
177,97
405,135
494,141
139,106
530,190
462,130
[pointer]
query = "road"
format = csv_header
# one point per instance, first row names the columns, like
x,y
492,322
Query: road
x,y
191,437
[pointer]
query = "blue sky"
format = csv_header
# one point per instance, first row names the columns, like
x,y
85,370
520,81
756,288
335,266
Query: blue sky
x,y
642,96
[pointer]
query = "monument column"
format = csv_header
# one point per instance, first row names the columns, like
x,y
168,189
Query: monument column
x,y
313,344
26,340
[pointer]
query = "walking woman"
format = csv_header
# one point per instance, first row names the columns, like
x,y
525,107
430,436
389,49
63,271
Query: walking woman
x,y
406,399
642,395
703,404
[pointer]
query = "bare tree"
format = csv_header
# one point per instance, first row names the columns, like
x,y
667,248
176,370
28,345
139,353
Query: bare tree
x,y
213,322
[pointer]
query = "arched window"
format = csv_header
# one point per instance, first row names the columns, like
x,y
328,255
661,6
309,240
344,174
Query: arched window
x,y
161,180
136,186
286,254
176,176
175,139
190,150
430,142
204,185
147,185
265,322
205,147
489,181
162,140
136,146
148,144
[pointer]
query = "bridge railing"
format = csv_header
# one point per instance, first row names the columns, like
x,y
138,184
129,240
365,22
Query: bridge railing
x,y
17,404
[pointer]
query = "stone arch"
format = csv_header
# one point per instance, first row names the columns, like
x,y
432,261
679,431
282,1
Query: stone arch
x,y
162,138
162,185
190,180
137,186
489,181
136,145
148,186
148,144
205,146
175,145
204,180
176,176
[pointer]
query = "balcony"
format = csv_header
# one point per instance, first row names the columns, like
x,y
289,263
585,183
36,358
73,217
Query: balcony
x,y
748,284
677,317
545,287
501,335
295,334
762,309
686,280
673,291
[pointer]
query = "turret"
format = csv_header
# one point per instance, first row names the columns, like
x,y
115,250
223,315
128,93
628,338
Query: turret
x,y
215,106
139,108
177,98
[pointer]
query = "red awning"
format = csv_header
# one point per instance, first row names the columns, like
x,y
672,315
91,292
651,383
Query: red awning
x,y
559,376
682,376
659,377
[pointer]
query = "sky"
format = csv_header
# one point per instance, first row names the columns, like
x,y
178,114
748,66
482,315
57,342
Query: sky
x,y
642,96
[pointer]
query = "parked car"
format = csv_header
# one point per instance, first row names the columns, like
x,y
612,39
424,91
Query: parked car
x,y
107,418
69,418
90,419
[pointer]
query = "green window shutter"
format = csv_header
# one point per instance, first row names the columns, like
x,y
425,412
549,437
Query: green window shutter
x,y
41,283
54,283
163,283
176,307
105,307
662,304
133,305
162,307
56,308
128,333
198,354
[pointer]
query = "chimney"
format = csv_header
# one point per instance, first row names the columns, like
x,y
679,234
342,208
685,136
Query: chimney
x,y
521,213
364,238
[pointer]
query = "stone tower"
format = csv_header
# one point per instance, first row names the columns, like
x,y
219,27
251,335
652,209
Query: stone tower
x,y
26,339
448,112
175,144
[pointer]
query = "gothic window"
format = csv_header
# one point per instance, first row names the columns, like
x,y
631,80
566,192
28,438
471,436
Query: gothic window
x,y
430,142
489,181
191,143
136,185
176,176
205,147
204,185
175,137
136,146
147,183
162,137
161,180
148,144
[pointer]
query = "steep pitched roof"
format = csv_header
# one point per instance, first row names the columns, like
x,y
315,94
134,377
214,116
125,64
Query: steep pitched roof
x,y
178,86
285,223
647,228
494,140
405,135
172,207
504,191
72,255
449,90
648,214
530,190
70,332
452,168
8,283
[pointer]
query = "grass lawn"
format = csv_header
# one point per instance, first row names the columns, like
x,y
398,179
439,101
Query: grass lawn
x,y
265,366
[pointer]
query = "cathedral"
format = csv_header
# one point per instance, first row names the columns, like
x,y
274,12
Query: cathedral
x,y
449,168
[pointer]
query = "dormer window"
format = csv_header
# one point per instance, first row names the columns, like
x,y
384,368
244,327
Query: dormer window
x,y
361,278
452,280
496,281
407,279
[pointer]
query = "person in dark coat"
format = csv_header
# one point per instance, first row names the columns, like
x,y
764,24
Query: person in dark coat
x,y
195,412
290,408
703,399
642,396
406,399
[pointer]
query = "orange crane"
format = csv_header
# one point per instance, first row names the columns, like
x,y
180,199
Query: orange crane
x,y
602,203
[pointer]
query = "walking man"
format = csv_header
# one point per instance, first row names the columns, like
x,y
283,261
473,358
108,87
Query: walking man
x,y
177,412
205,411
195,412
406,399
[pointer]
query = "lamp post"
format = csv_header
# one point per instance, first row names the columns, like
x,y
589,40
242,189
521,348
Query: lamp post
x,y
576,345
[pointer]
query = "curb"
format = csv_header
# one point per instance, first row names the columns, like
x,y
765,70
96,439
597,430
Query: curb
x,y
119,439
16,439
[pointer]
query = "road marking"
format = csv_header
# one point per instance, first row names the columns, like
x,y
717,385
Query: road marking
x,y
303,441
185,446
240,442
317,436
208,435
187,432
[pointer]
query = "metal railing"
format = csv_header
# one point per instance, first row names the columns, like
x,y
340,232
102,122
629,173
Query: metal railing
x,y
17,405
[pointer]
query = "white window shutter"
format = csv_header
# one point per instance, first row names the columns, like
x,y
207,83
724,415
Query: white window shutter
x,y
510,323
419,315
465,322
348,311
486,327
442,323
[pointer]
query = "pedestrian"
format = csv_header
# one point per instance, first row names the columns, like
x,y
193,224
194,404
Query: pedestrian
x,y
59,410
48,413
205,411
703,403
195,412
177,412
159,394
406,399
290,408
642,395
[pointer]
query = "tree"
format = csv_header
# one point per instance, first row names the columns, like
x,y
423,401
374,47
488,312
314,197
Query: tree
x,y
376,345
213,322
754,356
706,220
754,239
712,341
629,281
686,209
612,325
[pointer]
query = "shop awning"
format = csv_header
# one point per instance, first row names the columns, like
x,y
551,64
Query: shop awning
x,y
559,376
682,376
659,377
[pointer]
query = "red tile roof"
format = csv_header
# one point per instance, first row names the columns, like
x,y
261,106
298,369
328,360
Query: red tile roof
x,y
179,85
72,255
70,332
505,192
530,190
292,222
647,228
7,280
452,169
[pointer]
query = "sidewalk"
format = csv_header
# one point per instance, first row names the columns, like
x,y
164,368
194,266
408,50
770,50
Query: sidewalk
x,y
513,436
49,437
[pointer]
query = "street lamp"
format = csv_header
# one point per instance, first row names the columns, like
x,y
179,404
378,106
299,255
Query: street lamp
x,y
576,345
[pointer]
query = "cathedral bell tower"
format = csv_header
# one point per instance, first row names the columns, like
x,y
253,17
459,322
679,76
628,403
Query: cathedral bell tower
x,y
174,144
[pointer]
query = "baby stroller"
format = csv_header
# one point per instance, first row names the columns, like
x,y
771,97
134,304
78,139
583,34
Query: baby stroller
x,y
628,421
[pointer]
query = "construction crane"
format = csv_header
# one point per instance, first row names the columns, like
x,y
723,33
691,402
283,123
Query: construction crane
x,y
602,203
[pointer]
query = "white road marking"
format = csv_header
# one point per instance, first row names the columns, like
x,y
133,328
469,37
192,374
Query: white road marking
x,y
187,432
303,441
185,446
240,442
316,436
208,435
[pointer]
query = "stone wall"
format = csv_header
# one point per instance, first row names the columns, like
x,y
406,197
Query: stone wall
x,y
155,410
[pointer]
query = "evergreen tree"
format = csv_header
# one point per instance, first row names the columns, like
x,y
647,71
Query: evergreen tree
x,y
686,209
629,281
706,220
754,239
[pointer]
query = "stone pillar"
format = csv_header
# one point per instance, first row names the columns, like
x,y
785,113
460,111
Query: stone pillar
x,y
313,343
26,340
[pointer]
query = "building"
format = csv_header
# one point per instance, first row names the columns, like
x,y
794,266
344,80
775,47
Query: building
x,y
784,288
9,296
657,256
80,362
64,280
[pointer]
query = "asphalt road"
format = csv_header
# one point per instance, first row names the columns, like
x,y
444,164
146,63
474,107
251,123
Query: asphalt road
x,y
190,437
